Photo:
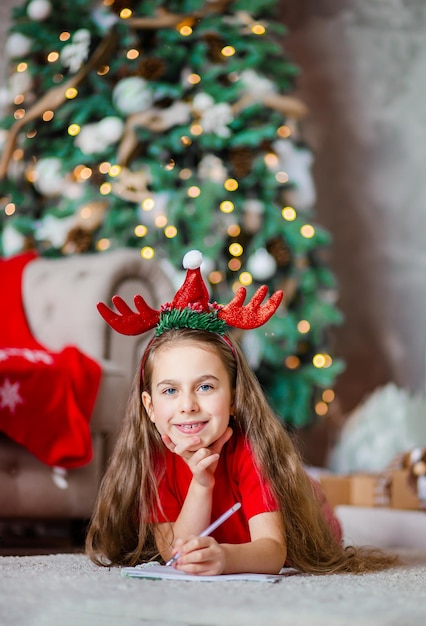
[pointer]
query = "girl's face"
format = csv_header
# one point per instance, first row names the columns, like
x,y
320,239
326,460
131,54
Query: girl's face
x,y
191,394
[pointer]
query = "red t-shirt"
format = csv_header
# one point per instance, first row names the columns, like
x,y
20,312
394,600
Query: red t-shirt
x,y
237,480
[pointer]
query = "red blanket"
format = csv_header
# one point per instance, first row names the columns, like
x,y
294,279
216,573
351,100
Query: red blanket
x,y
46,398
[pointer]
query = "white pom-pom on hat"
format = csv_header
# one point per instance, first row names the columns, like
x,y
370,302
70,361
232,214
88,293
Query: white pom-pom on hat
x,y
192,260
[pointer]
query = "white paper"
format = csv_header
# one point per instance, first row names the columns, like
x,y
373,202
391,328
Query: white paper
x,y
157,571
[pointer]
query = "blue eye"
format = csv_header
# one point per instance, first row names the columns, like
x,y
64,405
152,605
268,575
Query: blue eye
x,y
206,387
170,391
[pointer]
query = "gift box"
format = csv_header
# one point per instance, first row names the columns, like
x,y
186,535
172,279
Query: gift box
x,y
353,489
404,492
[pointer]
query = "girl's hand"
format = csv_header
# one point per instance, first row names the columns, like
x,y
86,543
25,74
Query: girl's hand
x,y
201,556
202,462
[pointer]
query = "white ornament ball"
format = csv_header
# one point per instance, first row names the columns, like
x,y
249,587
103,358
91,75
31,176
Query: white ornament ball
x,y
111,128
39,10
49,179
261,265
17,45
132,94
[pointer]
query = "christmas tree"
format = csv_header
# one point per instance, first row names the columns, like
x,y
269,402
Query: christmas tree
x,y
169,125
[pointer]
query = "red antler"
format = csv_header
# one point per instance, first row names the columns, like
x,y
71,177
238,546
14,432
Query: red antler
x,y
254,313
129,322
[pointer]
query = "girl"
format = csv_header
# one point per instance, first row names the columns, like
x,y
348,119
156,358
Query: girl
x,y
198,436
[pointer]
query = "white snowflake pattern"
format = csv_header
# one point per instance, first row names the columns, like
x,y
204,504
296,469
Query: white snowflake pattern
x,y
9,395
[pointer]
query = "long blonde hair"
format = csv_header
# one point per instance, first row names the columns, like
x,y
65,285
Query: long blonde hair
x,y
119,533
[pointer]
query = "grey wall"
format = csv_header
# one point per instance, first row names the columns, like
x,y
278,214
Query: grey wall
x,y
363,77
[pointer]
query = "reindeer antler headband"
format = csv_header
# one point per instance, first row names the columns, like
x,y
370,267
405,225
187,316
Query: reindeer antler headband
x,y
190,308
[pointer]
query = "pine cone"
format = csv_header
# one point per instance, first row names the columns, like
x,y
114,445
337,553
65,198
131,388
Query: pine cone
x,y
278,248
78,241
151,68
215,45
241,161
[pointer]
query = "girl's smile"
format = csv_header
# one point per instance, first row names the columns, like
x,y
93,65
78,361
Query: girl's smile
x,y
191,394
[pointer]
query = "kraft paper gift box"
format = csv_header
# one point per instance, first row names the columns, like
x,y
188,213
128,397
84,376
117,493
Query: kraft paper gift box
x,y
353,489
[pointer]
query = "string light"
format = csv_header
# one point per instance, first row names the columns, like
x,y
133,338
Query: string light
x,y
289,213
170,232
132,54
328,395
284,132
234,265
303,327
196,129
228,51
19,99
147,253
236,249
104,167
105,189
10,209
258,29
281,177
19,114
216,277
52,57
233,230
73,130
64,36
231,184
292,362
194,79
185,173
194,191
71,93
140,230
18,154
307,231
185,31
227,206
103,244
271,159
321,408
246,279
48,116
21,67
125,14
148,204
322,360
114,170
160,221
102,70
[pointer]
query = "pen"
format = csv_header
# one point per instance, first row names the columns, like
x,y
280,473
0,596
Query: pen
x,y
211,528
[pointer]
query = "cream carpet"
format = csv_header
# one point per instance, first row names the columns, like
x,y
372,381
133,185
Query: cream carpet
x,y
68,590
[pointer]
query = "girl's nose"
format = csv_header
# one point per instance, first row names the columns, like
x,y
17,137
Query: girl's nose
x,y
188,403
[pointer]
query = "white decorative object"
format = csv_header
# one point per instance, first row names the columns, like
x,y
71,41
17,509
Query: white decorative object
x,y
211,167
74,54
256,85
261,265
39,10
296,162
96,137
132,95
55,229
12,241
19,83
17,45
390,421
48,178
